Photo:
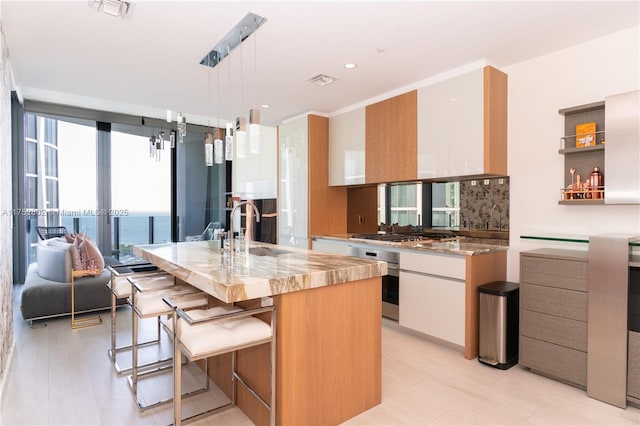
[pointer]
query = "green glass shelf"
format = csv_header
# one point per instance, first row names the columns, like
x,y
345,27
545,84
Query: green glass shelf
x,y
557,237
569,238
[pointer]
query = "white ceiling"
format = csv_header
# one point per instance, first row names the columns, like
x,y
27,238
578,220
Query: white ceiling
x,y
65,52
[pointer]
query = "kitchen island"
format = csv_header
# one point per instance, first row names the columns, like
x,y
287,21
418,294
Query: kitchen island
x,y
328,353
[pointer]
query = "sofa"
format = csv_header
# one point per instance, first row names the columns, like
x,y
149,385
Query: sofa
x,y
47,289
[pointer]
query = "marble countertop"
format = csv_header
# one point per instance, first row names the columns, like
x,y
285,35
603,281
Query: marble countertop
x,y
272,270
466,246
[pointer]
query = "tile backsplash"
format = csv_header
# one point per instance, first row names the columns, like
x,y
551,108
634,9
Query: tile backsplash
x,y
484,204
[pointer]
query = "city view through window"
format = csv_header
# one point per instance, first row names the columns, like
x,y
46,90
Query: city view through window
x,y
62,181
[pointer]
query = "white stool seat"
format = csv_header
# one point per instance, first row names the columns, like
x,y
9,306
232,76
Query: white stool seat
x,y
150,304
153,282
122,286
204,333
201,339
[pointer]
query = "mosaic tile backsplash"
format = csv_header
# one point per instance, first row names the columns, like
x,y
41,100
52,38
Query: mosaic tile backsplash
x,y
484,204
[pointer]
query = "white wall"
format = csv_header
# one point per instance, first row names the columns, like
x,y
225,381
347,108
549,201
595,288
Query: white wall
x,y
538,88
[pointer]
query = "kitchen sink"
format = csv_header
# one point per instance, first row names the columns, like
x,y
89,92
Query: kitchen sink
x,y
267,251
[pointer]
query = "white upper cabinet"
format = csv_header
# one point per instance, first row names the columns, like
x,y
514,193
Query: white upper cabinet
x,y
255,176
346,148
293,180
462,125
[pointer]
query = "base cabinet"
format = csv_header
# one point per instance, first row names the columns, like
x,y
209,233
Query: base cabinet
x,y
553,313
431,300
330,246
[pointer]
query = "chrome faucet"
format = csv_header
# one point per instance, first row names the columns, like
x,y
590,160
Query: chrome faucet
x,y
231,224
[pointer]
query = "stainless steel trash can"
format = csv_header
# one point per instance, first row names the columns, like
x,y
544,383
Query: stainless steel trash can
x,y
499,305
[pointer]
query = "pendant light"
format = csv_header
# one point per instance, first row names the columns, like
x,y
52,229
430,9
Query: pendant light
x,y
241,137
228,138
241,122
218,145
208,149
254,113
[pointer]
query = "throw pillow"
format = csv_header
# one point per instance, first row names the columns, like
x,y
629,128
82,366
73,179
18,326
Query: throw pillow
x,y
91,256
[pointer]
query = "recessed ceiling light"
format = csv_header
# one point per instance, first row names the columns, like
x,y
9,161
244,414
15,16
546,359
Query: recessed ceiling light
x,y
350,66
380,50
265,106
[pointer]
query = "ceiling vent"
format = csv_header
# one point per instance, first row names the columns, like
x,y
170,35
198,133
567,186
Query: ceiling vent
x,y
322,80
120,8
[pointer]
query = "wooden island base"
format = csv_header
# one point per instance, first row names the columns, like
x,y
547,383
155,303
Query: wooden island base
x,y
328,357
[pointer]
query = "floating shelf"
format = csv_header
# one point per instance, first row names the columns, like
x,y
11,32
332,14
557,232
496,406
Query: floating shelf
x,y
587,201
582,108
599,147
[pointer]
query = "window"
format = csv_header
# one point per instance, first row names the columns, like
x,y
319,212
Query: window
x,y
50,131
77,177
140,193
31,127
32,158
405,203
445,205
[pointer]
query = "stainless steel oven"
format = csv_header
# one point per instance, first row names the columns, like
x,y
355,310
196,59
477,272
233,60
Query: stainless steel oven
x,y
390,282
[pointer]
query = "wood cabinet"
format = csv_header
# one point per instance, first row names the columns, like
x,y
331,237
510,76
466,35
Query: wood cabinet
x,y
306,203
347,148
462,126
553,313
391,139
362,209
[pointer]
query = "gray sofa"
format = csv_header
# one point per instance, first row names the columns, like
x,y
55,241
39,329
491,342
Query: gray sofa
x,y
47,289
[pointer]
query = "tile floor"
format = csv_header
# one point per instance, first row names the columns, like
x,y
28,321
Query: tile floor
x,y
61,376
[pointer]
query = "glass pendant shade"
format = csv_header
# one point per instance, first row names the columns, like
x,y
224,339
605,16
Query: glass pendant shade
x,y
218,147
228,143
254,138
241,137
254,131
208,149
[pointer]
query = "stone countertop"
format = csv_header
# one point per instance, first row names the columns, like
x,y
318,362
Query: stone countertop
x,y
466,246
282,270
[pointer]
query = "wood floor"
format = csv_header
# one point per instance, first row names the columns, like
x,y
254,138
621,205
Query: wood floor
x,y
60,376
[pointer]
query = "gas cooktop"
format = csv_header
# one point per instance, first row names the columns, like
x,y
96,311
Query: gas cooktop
x,y
408,236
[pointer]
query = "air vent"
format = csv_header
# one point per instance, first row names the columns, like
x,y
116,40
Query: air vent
x,y
322,80
117,8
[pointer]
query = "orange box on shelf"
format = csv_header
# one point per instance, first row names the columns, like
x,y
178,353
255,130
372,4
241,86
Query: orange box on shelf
x,y
585,135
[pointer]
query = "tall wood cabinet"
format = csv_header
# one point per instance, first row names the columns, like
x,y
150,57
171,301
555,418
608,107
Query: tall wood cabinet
x,y
307,205
391,139
553,313
462,126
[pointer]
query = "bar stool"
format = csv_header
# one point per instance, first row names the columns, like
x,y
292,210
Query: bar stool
x,y
120,288
146,302
200,334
